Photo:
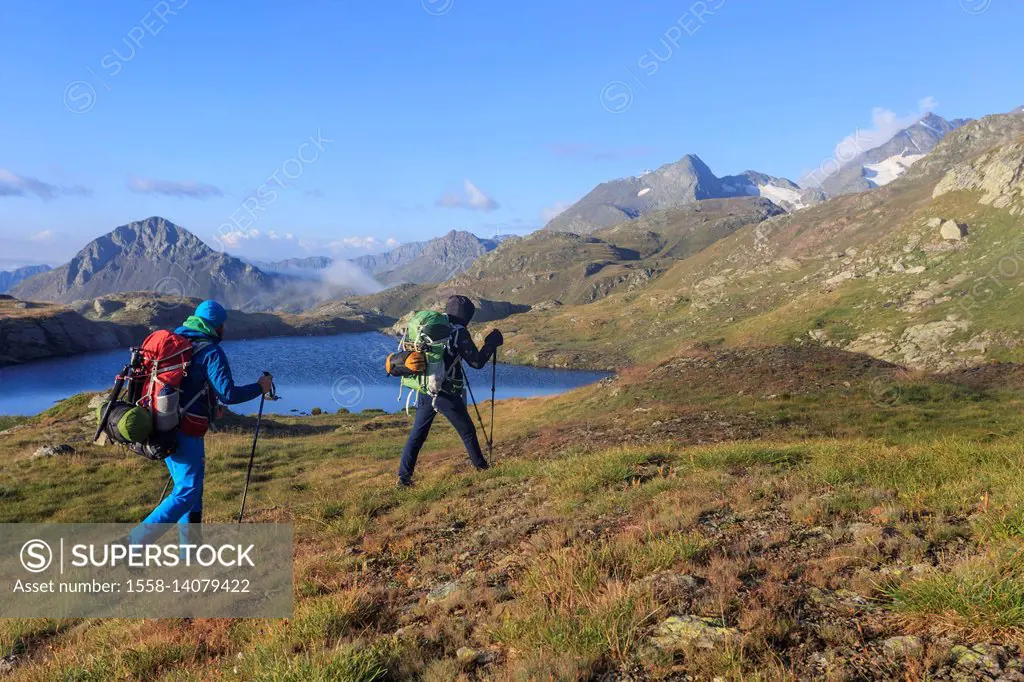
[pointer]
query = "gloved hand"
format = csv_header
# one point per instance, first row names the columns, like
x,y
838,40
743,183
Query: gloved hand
x,y
494,339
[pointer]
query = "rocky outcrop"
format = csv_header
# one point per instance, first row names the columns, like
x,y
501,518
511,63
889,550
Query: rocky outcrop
x,y
998,175
968,141
55,332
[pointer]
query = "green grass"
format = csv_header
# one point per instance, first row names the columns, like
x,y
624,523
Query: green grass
x,y
986,591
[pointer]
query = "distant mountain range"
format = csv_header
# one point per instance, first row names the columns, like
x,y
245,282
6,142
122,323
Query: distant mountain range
x,y
157,256
629,232
881,165
9,278
426,262
672,186
690,179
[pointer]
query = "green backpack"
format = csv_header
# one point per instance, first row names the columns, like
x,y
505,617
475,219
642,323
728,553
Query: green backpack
x,y
429,333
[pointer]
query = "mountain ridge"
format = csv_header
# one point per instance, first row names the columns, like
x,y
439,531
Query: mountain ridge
x,y
878,166
10,278
671,186
424,262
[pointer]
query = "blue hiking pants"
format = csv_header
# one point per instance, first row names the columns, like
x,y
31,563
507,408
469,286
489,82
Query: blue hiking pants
x,y
184,505
455,411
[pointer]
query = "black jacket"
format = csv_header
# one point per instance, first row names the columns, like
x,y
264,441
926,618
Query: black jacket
x,y
460,311
461,344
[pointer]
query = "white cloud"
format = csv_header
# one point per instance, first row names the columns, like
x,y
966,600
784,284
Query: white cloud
x,y
15,185
472,199
361,243
274,235
236,237
551,212
188,189
43,236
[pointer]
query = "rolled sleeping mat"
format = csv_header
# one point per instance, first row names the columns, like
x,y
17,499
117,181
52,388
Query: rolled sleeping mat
x,y
127,423
406,364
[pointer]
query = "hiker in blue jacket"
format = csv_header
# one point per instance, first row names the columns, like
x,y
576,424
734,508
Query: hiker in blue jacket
x,y
208,379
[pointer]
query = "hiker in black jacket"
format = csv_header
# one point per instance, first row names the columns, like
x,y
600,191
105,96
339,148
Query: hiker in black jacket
x,y
451,401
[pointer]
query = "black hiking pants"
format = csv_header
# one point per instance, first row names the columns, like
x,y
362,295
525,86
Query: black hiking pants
x,y
455,411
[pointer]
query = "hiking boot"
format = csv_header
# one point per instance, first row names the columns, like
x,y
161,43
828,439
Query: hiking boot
x,y
403,484
485,467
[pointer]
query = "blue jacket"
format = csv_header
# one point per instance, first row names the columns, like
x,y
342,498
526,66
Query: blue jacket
x,y
210,367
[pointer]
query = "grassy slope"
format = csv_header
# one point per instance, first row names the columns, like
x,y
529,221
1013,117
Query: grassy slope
x,y
821,502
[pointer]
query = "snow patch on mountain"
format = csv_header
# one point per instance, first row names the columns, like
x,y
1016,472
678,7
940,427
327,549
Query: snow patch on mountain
x,y
882,173
783,196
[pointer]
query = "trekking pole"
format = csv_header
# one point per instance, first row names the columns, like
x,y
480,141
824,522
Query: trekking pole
x,y
164,492
494,381
479,417
255,438
115,392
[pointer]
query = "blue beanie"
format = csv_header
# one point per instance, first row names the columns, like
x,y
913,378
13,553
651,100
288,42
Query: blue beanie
x,y
212,312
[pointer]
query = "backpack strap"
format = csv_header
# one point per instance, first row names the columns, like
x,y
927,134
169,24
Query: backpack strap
x,y
197,346
195,399
452,345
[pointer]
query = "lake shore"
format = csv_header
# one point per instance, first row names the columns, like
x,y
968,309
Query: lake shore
x,y
31,331
342,372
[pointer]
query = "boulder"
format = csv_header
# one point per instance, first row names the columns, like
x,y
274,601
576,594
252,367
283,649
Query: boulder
x,y
981,659
54,450
953,231
469,656
683,632
903,646
442,592
841,277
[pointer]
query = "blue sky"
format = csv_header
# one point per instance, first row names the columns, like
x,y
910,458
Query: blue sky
x,y
414,117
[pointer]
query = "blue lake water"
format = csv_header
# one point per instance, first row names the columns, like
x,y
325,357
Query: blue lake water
x,y
329,372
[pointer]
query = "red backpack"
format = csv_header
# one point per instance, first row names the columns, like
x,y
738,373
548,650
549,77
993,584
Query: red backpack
x,y
166,358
